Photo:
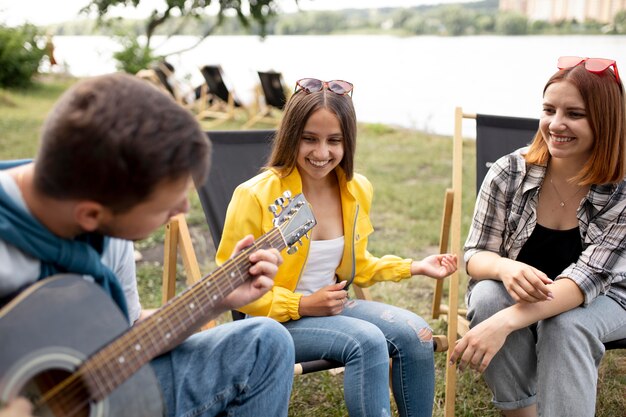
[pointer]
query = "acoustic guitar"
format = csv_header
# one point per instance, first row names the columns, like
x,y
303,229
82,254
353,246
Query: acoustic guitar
x,y
66,346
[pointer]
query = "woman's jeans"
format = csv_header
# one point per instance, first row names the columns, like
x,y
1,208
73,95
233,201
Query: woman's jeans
x,y
242,369
363,338
553,363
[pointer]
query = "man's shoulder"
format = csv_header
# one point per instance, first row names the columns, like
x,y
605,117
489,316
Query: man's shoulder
x,y
117,250
16,269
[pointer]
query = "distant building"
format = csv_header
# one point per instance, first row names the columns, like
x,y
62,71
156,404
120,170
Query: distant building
x,y
555,10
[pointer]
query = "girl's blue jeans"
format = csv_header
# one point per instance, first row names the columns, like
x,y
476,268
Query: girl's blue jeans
x,y
363,338
553,363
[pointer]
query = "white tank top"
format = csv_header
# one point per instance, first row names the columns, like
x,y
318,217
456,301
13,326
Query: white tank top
x,y
322,262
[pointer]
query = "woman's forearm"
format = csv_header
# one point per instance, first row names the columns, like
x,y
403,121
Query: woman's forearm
x,y
567,295
484,265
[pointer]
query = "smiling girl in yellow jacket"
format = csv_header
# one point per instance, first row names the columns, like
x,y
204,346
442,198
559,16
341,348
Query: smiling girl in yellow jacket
x,y
313,154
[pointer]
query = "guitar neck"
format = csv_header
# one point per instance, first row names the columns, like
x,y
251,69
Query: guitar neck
x,y
169,325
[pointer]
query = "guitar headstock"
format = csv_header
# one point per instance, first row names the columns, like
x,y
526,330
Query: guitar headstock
x,y
294,217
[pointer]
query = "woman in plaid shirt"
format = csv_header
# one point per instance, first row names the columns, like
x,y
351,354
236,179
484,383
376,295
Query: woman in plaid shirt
x,y
546,251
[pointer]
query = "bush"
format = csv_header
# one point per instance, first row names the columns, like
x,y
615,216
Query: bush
x,y
512,24
619,22
133,56
19,55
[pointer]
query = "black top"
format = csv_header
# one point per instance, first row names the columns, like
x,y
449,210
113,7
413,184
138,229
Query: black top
x,y
551,251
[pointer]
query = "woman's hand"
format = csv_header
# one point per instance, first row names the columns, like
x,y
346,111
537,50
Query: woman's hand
x,y
524,282
265,263
435,266
478,347
328,301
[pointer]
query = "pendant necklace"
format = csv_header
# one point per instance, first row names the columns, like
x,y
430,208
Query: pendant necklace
x,y
561,200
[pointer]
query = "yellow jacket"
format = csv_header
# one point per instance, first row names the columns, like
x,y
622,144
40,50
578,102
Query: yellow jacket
x,y
248,214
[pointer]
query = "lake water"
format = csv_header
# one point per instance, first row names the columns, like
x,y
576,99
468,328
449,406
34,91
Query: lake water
x,y
414,82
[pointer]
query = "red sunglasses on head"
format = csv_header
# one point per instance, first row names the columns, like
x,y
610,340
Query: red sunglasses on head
x,y
595,65
313,85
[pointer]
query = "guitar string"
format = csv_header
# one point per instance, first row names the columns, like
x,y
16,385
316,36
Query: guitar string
x,y
72,385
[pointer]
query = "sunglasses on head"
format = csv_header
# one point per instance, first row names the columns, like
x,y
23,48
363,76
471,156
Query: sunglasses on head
x,y
594,65
313,85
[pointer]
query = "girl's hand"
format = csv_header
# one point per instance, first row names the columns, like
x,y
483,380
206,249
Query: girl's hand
x,y
478,347
328,301
435,266
524,282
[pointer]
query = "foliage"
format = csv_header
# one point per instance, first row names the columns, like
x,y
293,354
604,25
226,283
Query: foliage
x,y
456,20
133,56
512,24
619,22
258,11
472,18
20,55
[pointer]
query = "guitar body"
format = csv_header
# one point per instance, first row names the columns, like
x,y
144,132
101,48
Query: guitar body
x,y
48,331
66,347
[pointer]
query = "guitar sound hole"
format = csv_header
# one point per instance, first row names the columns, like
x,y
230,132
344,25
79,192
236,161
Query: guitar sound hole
x,y
55,394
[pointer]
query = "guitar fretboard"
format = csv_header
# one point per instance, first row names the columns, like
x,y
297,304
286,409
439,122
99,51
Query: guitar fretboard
x,y
173,322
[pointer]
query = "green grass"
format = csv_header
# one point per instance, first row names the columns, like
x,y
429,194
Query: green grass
x,y
410,171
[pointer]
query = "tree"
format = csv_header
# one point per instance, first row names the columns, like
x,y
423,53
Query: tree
x,y
133,56
136,53
258,11
20,55
619,21
456,20
512,24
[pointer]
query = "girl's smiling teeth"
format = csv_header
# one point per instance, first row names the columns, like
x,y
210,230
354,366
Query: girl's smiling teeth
x,y
319,164
558,138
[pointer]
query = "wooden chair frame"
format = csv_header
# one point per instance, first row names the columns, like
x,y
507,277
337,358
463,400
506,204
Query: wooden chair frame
x,y
450,241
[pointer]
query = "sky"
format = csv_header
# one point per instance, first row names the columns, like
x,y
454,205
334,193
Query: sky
x,y
43,12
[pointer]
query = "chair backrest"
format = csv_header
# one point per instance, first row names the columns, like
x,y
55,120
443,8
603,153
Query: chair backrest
x,y
497,136
273,89
214,78
237,156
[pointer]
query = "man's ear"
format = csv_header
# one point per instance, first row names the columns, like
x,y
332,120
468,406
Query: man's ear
x,y
90,215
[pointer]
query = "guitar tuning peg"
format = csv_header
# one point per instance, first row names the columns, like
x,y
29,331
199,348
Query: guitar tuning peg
x,y
273,209
279,201
292,250
300,242
287,194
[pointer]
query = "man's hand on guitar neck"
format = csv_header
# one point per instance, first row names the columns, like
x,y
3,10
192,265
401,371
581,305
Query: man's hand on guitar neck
x,y
265,263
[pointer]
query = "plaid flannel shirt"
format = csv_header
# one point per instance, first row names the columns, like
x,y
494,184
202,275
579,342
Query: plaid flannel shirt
x,y
505,216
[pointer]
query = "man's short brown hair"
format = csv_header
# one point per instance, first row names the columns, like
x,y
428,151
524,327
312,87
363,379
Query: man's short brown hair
x,y
113,138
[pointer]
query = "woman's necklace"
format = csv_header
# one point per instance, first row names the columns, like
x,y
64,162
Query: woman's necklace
x,y
561,199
